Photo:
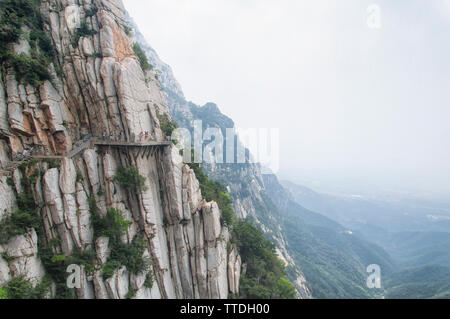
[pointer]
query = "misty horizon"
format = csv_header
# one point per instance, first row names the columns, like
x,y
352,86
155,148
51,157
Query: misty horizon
x,y
220,150
359,109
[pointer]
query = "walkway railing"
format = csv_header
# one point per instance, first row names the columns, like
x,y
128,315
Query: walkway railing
x,y
79,147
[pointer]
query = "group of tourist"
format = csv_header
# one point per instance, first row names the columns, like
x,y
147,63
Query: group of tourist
x,y
143,136
25,154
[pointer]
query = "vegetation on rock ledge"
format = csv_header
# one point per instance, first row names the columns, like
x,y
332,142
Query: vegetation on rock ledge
x,y
26,215
145,65
114,226
265,275
82,31
129,178
21,288
215,191
23,218
166,124
14,16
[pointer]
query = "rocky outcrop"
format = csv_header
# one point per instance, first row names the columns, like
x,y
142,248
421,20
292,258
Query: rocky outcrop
x,y
7,197
99,86
22,258
244,182
166,75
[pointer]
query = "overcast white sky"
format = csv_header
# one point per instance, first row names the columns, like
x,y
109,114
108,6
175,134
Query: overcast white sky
x,y
359,109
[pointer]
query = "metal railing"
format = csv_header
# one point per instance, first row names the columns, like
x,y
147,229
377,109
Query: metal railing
x,y
42,152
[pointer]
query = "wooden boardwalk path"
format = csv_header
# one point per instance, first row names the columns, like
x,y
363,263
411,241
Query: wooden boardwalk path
x,y
146,148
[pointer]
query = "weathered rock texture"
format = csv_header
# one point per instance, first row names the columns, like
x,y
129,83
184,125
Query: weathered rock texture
x,y
100,87
244,182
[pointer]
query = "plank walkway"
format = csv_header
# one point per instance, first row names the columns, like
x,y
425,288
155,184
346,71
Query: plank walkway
x,y
83,146
130,144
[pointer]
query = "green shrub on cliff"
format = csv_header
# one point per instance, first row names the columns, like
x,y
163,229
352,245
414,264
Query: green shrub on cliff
x,y
21,288
14,15
265,276
114,226
128,255
145,65
166,124
129,178
215,191
19,223
22,219
56,265
3,293
82,31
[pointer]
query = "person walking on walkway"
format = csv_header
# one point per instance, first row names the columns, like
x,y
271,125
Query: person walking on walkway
x,y
104,136
140,136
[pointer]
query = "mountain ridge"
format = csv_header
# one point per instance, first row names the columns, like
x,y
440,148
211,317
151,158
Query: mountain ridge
x,y
261,198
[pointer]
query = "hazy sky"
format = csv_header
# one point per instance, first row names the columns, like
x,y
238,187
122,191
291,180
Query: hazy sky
x,y
358,108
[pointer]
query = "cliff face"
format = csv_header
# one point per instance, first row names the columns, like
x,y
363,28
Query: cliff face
x,y
244,182
97,85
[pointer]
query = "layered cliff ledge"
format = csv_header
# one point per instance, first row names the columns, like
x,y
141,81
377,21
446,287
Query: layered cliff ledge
x,y
95,85
245,182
